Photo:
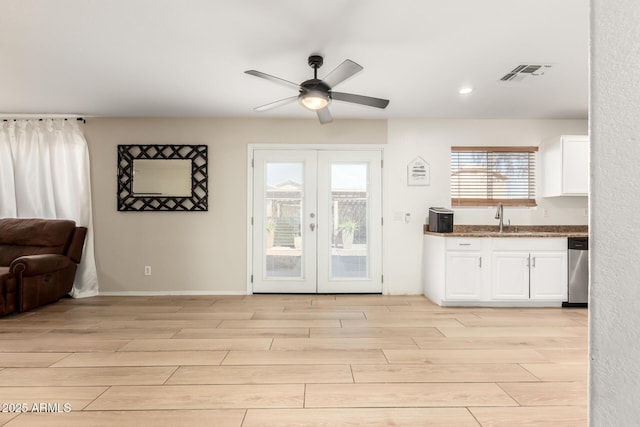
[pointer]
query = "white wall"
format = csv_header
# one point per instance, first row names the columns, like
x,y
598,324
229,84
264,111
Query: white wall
x,y
432,140
614,313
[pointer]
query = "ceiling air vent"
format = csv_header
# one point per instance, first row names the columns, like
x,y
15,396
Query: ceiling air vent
x,y
524,71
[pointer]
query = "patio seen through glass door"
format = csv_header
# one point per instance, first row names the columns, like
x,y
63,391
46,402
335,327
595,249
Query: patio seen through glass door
x,y
317,221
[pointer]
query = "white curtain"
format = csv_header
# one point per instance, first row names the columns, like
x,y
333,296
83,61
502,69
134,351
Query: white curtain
x,y
44,173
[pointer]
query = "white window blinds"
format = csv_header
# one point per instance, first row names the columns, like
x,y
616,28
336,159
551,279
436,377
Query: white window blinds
x,y
486,176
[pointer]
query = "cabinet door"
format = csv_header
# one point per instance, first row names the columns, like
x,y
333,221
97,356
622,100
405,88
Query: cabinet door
x,y
510,276
549,276
575,165
463,276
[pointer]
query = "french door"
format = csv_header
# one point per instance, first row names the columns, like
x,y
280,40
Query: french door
x,y
317,221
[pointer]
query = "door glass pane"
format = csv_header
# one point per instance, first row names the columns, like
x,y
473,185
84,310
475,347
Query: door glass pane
x,y
283,214
349,220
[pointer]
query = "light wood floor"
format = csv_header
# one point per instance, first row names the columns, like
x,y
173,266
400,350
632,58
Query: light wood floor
x,y
292,360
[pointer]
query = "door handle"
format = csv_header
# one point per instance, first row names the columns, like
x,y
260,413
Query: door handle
x,y
312,226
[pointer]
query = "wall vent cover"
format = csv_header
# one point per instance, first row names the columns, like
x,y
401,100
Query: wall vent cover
x,y
524,71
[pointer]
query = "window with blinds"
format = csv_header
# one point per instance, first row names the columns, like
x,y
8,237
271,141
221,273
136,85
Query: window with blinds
x,y
486,176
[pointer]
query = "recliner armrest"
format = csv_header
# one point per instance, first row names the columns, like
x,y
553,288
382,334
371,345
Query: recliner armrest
x,y
77,244
33,265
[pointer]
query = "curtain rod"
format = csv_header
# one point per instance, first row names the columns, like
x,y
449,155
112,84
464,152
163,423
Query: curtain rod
x,y
80,119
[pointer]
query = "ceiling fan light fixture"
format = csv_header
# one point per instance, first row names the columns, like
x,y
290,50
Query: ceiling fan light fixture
x,y
314,100
316,94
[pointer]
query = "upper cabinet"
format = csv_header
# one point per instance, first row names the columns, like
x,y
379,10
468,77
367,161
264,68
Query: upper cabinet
x,y
565,166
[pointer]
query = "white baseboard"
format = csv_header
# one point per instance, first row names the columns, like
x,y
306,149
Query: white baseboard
x,y
519,304
165,293
195,293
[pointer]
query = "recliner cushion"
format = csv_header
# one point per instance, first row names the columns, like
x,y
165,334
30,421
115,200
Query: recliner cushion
x,y
21,236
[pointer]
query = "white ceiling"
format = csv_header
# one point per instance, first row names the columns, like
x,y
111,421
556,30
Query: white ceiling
x,y
187,57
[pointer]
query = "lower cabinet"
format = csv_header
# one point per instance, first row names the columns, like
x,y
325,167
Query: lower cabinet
x,y
495,271
509,276
529,275
463,276
548,276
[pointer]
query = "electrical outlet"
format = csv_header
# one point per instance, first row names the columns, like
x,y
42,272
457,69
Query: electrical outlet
x,y
147,270
586,212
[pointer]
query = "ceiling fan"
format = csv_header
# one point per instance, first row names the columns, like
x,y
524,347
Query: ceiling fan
x,y
316,95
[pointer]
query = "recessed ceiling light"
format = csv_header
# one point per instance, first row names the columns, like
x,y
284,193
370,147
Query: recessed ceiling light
x,y
465,90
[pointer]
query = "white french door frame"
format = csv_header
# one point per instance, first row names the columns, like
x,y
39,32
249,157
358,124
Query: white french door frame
x,y
294,147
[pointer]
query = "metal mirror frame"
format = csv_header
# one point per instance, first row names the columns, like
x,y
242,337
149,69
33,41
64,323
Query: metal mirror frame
x,y
128,201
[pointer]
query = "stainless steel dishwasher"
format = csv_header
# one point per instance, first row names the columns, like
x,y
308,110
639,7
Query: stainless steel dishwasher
x,y
578,295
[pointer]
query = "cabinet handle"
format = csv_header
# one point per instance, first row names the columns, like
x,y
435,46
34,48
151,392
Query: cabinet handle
x,y
464,244
480,262
533,259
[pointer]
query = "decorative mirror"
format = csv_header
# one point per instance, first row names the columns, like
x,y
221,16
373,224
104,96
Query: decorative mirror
x,y
162,178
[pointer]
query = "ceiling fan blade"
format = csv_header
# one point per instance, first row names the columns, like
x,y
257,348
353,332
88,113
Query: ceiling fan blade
x,y
324,115
360,99
273,78
342,72
276,104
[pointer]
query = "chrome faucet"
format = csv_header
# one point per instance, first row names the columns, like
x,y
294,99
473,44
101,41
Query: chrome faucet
x,y
500,216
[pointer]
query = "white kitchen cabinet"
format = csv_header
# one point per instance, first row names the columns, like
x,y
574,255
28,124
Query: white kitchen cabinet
x,y
535,276
510,275
548,273
495,271
455,269
463,276
565,166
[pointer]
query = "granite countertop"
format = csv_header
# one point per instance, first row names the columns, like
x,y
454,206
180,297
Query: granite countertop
x,y
514,231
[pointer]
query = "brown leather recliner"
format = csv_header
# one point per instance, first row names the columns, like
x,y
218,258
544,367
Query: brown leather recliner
x,y
38,261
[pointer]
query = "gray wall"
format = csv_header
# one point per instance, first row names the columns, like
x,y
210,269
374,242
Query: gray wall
x,y
614,382
199,252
